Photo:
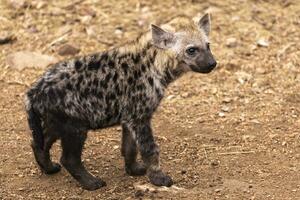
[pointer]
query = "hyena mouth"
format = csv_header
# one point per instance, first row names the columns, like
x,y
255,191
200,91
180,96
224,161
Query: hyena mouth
x,y
204,70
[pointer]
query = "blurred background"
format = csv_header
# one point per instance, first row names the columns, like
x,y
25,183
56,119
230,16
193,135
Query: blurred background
x,y
230,134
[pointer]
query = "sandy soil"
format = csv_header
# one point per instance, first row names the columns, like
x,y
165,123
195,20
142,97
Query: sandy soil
x,y
231,134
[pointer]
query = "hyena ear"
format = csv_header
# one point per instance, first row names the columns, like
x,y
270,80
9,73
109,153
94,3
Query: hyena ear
x,y
204,23
161,38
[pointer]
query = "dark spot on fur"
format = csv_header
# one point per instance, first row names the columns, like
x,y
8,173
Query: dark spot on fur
x,y
104,57
103,84
64,76
125,67
143,67
107,78
135,74
94,65
118,91
100,95
136,58
112,96
111,63
158,93
147,110
140,87
79,80
94,91
116,76
61,94
95,82
86,92
51,95
148,64
130,80
78,65
69,86
103,70
150,80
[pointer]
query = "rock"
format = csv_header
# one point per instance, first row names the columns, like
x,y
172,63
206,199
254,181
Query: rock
x,y
32,29
225,108
231,42
139,194
86,19
218,190
23,59
68,49
170,97
221,114
6,37
183,171
41,4
64,30
90,31
243,77
255,121
248,138
215,163
226,100
18,4
262,43
119,32
185,95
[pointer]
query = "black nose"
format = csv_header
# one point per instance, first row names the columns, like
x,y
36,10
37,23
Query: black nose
x,y
213,64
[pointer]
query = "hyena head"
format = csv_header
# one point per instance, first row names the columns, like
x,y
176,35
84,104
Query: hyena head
x,y
190,45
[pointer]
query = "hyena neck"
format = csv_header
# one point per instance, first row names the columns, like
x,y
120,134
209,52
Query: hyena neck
x,y
162,62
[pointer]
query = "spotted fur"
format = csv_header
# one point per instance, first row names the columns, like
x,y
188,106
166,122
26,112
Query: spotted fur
x,y
121,86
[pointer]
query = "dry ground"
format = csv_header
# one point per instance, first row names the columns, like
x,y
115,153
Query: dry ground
x,y
231,134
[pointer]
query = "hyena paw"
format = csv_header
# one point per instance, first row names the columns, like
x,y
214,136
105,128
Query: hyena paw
x,y
158,178
135,169
54,168
92,184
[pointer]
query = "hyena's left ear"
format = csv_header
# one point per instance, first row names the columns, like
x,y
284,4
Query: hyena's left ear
x,y
204,23
161,38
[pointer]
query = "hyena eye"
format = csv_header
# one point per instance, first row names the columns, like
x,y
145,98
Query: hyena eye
x,y
208,46
191,51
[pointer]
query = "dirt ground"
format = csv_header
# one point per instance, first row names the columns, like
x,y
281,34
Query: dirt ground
x,y
231,134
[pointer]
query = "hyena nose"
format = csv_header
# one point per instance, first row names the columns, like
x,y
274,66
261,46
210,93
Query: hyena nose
x,y
213,64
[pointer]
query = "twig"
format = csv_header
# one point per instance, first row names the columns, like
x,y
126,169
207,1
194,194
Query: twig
x,y
103,14
105,42
57,40
73,4
205,153
283,50
15,83
236,152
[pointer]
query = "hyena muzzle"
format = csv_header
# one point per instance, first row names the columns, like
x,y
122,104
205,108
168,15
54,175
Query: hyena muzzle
x,y
122,86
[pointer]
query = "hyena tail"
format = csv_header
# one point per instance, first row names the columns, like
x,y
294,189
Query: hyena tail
x,y
35,124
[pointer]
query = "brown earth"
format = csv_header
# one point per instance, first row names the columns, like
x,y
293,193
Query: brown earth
x,y
231,134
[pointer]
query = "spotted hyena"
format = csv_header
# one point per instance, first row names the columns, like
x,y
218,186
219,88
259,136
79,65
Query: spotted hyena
x,y
122,86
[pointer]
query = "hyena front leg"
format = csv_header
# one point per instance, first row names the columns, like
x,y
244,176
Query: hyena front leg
x,y
150,154
129,151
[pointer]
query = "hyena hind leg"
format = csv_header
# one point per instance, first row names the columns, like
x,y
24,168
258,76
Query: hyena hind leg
x,y
72,144
42,156
129,151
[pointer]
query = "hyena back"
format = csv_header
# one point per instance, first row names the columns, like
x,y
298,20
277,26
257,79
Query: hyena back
x,y
121,86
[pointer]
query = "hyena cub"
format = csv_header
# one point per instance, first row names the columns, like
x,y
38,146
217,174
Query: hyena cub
x,y
121,86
